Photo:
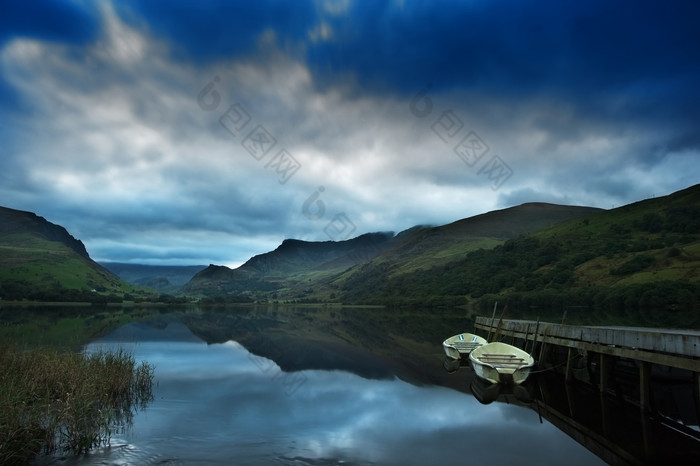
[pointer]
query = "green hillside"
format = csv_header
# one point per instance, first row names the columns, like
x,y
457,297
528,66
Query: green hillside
x,y
638,263
427,247
42,261
321,271
288,270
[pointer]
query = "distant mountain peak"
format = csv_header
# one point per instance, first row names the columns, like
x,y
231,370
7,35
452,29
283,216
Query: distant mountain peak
x,y
41,261
19,221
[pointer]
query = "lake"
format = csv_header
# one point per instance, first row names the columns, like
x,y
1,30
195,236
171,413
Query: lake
x,y
314,386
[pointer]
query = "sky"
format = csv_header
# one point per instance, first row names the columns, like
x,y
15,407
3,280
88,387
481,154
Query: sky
x,y
196,132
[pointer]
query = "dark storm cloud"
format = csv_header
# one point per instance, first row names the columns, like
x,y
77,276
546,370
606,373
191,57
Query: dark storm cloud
x,y
591,103
514,46
52,20
609,60
208,31
511,46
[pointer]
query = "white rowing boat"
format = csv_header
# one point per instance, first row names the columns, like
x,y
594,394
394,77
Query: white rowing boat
x,y
459,346
501,363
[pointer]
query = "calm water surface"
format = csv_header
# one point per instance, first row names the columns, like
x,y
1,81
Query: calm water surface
x,y
220,404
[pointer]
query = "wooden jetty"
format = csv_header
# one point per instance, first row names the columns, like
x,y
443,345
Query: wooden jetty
x,y
612,429
678,349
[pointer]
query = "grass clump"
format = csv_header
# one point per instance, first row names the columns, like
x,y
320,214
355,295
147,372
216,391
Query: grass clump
x,y
52,401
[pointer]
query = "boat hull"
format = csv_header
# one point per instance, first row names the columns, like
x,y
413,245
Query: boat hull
x,y
501,363
496,376
460,345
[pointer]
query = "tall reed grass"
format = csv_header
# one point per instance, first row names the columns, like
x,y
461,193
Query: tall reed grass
x,y
53,401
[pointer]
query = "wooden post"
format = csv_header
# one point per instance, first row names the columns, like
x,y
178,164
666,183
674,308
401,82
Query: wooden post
x,y
604,372
647,434
644,385
696,376
499,328
534,338
570,401
567,377
543,346
605,419
493,316
527,335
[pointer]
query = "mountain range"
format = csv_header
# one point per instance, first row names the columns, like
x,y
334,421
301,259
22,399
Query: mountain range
x,y
535,256
312,270
162,278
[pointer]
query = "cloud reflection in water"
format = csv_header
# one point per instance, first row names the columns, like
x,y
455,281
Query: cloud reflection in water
x,y
214,405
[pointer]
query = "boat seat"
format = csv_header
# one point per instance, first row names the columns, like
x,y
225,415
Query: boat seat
x,y
481,358
465,345
505,361
496,357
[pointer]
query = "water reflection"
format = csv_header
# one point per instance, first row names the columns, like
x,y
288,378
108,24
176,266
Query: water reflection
x,y
486,392
216,404
614,429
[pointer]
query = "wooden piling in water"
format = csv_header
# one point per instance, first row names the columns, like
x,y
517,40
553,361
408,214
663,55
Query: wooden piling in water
x,y
604,369
696,377
644,385
671,348
534,339
543,345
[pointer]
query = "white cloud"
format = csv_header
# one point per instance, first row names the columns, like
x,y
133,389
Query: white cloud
x,y
322,32
121,44
115,134
334,7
